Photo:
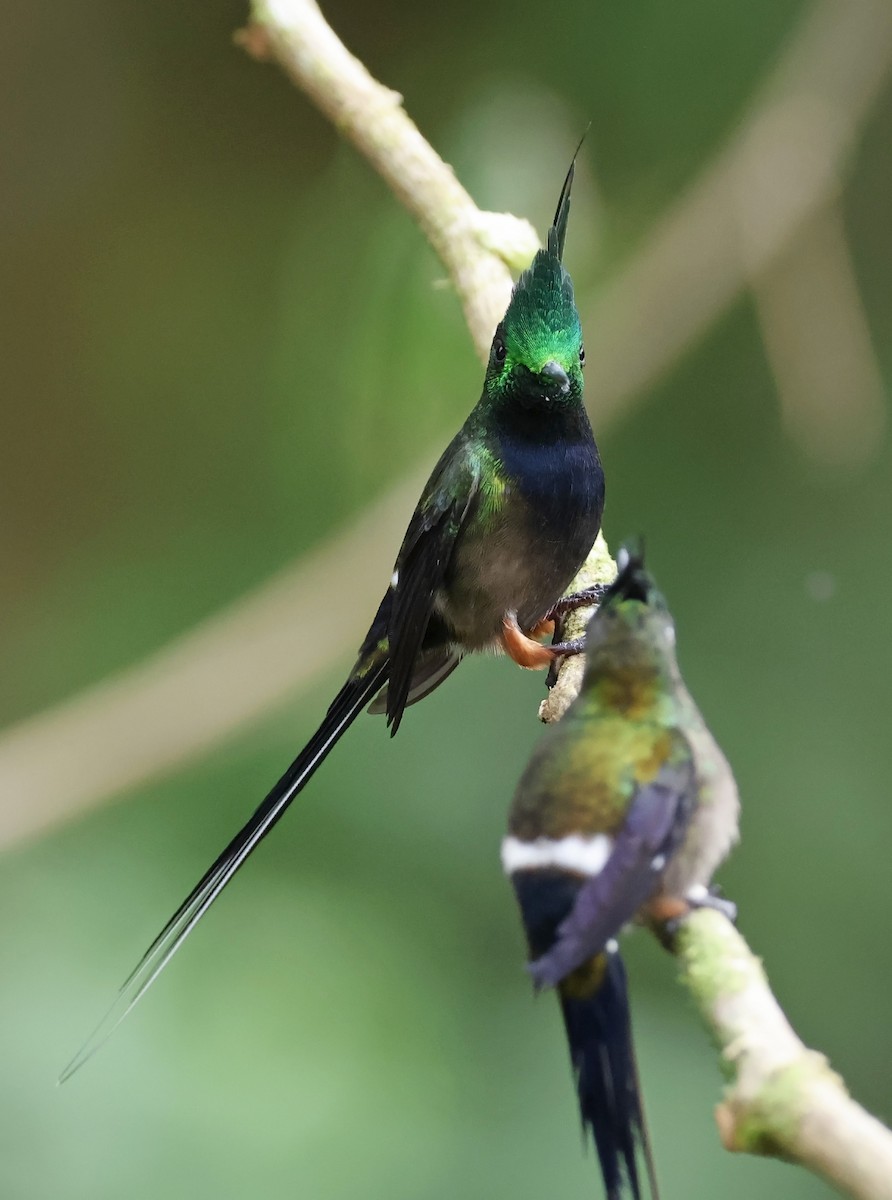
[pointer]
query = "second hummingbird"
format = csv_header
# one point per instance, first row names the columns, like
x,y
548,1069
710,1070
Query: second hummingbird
x,y
623,813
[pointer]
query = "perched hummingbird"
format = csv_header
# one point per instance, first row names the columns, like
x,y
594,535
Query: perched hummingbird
x,y
623,813
505,521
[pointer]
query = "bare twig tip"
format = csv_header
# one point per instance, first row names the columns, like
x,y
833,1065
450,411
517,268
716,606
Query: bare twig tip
x,y
727,1126
254,40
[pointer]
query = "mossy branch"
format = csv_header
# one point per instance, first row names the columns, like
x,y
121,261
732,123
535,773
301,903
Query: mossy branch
x,y
784,1099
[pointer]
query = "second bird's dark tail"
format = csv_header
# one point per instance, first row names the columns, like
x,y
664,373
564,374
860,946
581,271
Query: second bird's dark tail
x,y
344,709
599,1032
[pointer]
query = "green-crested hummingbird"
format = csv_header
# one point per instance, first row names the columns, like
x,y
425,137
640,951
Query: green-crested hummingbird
x,y
624,811
506,519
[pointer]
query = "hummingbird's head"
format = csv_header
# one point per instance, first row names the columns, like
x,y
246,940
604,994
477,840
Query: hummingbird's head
x,y
537,355
632,579
631,635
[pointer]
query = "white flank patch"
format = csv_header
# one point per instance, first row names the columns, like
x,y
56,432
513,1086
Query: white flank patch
x,y
587,855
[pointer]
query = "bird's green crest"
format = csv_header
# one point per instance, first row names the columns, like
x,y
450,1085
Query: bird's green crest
x,y
541,324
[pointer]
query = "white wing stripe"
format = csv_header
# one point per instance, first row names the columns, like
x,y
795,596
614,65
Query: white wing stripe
x,y
587,855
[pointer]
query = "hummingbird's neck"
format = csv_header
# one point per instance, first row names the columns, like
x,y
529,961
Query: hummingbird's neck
x,y
545,423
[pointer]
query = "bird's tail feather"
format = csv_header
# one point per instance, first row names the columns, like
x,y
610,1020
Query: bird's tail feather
x,y
345,707
599,1032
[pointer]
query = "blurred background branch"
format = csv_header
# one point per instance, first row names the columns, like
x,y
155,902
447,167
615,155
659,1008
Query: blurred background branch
x,y
784,1100
784,165
767,195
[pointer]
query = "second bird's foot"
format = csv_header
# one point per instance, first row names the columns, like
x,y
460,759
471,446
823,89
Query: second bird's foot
x,y
669,914
711,897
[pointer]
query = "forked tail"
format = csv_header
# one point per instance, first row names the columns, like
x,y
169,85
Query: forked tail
x,y
344,709
595,1005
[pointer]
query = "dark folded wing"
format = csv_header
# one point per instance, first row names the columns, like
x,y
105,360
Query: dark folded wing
x,y
421,567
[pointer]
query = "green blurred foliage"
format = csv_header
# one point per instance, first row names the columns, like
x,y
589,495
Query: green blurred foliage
x,y
220,339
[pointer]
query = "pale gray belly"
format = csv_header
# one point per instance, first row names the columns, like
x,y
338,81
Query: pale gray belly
x,y
495,573
714,825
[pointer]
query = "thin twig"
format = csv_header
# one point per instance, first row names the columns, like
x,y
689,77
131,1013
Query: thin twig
x,y
473,246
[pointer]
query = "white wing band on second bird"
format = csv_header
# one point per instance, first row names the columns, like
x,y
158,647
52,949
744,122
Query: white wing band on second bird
x,y
587,855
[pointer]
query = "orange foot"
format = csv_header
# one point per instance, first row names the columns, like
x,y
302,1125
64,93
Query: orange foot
x,y
665,908
523,648
543,629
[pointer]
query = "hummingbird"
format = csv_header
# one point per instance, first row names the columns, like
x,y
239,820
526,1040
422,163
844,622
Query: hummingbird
x,y
623,813
508,516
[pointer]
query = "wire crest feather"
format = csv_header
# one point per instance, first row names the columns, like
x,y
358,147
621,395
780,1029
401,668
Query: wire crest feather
x,y
558,232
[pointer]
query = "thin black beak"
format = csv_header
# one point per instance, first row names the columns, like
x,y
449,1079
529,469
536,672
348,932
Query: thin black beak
x,y
555,378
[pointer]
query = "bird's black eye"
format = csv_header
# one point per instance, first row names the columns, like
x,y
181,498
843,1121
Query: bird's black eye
x,y
499,351
582,355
